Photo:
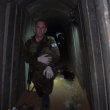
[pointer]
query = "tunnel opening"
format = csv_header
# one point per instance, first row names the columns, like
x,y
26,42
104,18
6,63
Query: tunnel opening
x,y
87,47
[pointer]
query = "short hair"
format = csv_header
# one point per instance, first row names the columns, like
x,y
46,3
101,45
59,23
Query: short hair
x,y
41,20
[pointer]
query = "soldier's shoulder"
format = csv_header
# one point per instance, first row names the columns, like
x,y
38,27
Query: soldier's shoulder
x,y
29,41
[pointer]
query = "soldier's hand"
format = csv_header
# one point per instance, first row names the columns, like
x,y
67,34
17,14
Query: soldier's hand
x,y
48,72
44,59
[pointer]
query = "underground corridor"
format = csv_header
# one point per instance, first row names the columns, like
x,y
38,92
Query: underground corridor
x,y
81,29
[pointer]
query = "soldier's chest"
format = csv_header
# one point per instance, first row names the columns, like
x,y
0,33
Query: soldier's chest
x,y
33,47
39,46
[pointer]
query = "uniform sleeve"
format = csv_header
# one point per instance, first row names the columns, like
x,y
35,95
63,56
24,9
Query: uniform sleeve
x,y
54,53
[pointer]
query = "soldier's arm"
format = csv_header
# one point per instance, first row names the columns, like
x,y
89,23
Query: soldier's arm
x,y
54,53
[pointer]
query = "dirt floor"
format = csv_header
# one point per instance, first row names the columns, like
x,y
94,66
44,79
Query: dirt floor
x,y
66,95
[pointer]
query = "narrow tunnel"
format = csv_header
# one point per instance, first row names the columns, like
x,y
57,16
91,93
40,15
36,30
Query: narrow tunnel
x,y
81,29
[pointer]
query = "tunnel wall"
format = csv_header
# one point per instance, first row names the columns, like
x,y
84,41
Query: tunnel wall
x,y
96,24
74,48
78,53
28,27
27,34
77,47
11,58
2,25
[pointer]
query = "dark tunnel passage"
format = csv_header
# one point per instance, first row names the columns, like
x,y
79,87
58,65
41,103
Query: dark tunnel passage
x,y
81,29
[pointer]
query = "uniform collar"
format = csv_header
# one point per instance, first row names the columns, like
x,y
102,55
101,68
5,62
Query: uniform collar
x,y
43,40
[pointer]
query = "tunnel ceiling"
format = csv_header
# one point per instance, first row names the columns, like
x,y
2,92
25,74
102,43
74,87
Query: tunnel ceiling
x,y
58,9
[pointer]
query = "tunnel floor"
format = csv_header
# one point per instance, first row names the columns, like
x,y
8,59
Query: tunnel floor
x,y
66,95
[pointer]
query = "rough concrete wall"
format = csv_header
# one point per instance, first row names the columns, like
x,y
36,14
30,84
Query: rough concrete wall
x,y
2,25
75,53
12,79
28,27
95,28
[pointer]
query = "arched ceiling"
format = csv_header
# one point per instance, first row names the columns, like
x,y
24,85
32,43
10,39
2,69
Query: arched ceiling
x,y
49,8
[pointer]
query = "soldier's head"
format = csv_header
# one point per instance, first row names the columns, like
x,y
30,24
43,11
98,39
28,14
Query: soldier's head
x,y
40,28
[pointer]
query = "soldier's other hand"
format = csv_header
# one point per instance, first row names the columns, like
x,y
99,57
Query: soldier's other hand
x,y
48,72
44,59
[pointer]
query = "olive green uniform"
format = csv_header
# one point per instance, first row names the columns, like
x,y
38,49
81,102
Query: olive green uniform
x,y
34,49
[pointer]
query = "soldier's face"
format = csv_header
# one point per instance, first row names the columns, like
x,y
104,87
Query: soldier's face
x,y
40,29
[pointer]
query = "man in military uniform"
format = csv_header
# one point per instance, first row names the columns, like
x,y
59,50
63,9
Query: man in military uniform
x,y
42,54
